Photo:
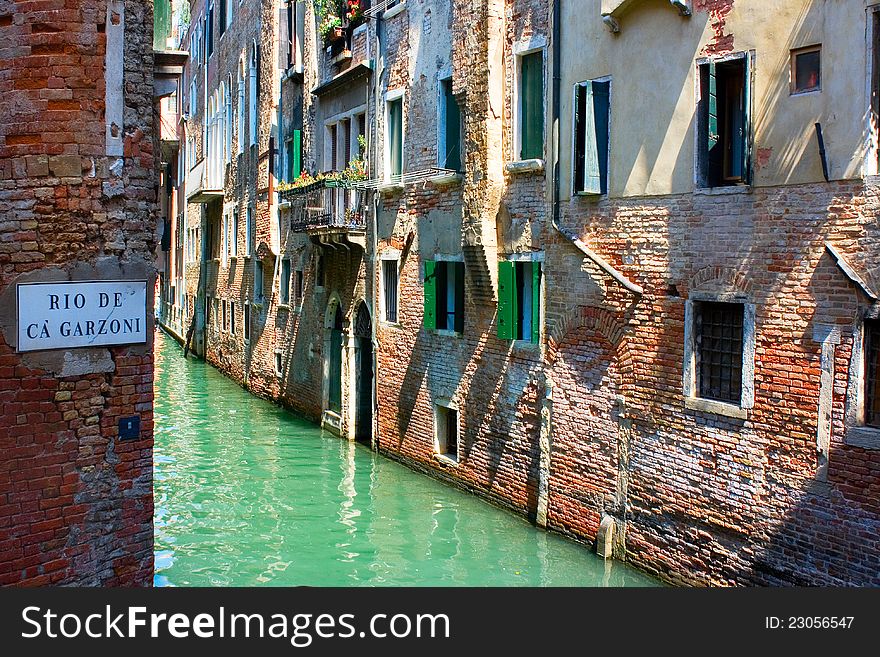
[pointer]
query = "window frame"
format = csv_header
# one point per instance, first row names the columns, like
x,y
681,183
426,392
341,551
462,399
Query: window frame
x,y
389,257
520,51
690,376
535,340
702,177
396,95
442,128
434,266
574,140
858,432
794,53
284,290
246,321
442,410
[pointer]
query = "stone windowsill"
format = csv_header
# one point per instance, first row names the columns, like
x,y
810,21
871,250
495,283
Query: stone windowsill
x,y
344,56
526,345
445,179
389,325
396,9
525,166
284,306
716,407
447,333
445,459
725,190
864,437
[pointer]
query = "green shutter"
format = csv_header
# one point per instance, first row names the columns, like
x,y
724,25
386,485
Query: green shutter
x,y
506,300
713,134
532,106
430,319
580,113
595,120
536,302
747,121
297,154
459,297
453,130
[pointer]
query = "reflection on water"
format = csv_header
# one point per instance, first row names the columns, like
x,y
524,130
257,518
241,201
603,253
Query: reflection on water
x,y
249,494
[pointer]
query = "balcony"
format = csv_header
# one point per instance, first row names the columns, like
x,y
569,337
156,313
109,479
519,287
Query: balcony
x,y
202,187
329,211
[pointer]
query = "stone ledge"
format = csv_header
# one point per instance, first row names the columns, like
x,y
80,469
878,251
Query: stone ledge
x,y
396,9
716,407
864,437
723,191
445,179
390,188
525,166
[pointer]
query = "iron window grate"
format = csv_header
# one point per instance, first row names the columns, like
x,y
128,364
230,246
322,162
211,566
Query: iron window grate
x,y
720,350
872,373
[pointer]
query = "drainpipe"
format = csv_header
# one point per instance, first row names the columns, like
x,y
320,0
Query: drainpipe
x,y
377,87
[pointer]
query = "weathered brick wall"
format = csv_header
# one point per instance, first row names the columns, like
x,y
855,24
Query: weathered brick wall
x,y
76,504
713,499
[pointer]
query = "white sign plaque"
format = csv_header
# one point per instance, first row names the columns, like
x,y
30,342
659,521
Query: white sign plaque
x,y
66,315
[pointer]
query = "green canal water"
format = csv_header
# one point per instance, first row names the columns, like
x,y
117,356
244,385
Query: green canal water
x,y
248,494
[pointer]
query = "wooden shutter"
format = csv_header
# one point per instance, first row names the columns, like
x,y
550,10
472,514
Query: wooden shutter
x,y
536,302
453,129
595,120
580,111
430,317
459,297
507,300
712,105
297,154
747,121
532,106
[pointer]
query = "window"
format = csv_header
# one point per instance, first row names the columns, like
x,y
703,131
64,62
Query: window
x,y
298,288
394,143
295,25
209,42
278,370
222,23
258,280
444,296
209,308
872,372
806,71
389,289
446,431
449,147
233,237
240,113
519,301
225,245
248,230
591,136
247,321
724,156
319,272
531,106
252,93
284,289
225,316
232,317
719,350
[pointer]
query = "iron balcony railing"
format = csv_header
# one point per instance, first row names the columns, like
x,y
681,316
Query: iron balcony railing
x,y
326,204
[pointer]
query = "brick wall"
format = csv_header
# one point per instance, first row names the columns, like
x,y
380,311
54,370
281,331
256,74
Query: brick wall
x,y
76,504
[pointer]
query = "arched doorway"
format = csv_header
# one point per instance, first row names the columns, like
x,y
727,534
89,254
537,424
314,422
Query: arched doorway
x,y
334,369
363,358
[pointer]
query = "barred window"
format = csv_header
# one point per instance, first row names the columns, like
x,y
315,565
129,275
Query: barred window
x,y
389,275
872,373
719,333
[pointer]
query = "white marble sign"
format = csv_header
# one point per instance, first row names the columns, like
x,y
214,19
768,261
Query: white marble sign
x,y
81,314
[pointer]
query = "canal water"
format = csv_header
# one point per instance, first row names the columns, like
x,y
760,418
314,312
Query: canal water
x,y
248,494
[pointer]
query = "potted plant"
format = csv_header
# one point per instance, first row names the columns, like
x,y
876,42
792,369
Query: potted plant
x,y
354,12
330,28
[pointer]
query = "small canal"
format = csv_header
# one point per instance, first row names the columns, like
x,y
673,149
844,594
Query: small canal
x,y
248,494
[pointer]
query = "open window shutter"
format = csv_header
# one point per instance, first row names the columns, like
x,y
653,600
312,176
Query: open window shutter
x,y
453,130
296,169
712,104
506,300
536,302
459,297
580,111
747,121
430,319
595,120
